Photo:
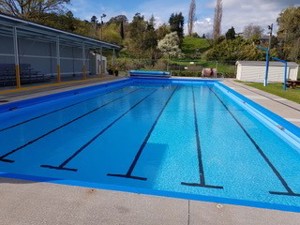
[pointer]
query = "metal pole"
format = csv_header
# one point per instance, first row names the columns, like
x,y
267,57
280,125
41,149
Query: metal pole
x,y
58,78
267,56
285,70
285,75
83,62
101,17
16,53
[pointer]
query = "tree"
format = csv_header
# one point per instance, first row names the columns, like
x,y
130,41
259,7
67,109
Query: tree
x,y
118,19
66,22
141,38
122,32
191,17
137,27
162,31
234,49
150,37
110,32
176,22
230,34
30,9
94,20
218,19
253,32
289,33
169,46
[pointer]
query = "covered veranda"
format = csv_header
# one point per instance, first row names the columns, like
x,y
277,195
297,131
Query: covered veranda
x,y
33,53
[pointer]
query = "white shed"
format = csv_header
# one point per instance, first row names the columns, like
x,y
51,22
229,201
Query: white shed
x,y
254,71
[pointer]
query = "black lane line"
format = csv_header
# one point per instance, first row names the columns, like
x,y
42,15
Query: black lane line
x,y
199,154
138,154
64,163
289,192
269,98
54,111
2,157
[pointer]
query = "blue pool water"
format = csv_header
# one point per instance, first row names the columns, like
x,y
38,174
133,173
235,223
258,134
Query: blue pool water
x,y
186,139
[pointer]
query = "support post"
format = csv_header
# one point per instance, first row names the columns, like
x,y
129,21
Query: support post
x,y
285,70
101,65
83,62
16,53
268,56
58,77
113,61
285,75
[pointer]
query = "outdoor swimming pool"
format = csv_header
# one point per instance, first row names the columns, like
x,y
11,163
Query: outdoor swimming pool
x,y
180,138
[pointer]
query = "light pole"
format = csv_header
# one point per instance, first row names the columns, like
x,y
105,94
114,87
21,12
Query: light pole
x,y
101,17
270,27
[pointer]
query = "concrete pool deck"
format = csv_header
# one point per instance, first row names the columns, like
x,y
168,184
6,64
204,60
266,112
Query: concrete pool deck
x,y
25,202
288,110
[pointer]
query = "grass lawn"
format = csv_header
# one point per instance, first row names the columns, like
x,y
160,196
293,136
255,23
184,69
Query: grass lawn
x,y
191,44
276,89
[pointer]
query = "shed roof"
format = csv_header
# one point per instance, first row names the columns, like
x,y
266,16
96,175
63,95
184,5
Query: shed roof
x,y
44,33
263,63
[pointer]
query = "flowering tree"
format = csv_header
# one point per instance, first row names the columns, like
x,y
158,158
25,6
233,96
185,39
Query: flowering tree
x,y
169,45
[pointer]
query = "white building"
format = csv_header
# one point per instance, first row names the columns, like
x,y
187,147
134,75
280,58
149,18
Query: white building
x,y
254,71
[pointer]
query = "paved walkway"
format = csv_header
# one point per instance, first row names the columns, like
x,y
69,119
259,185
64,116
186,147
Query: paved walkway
x,y
287,109
25,202
9,95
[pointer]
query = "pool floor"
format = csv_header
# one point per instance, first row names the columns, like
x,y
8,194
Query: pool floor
x,y
186,141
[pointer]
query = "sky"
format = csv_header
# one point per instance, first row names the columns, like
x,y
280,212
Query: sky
x,y
236,13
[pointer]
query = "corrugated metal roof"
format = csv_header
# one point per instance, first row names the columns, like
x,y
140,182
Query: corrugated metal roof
x,y
27,28
263,63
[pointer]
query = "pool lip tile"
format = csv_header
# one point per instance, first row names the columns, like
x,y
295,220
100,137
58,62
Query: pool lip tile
x,y
18,104
276,118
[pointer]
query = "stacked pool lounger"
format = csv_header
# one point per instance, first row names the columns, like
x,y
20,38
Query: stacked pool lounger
x,y
145,73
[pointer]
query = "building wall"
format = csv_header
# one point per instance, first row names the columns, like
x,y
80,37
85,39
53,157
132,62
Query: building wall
x,y
239,71
293,72
42,56
6,50
257,73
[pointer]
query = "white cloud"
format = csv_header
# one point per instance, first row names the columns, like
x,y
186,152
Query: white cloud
x,y
239,14
236,13
203,26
